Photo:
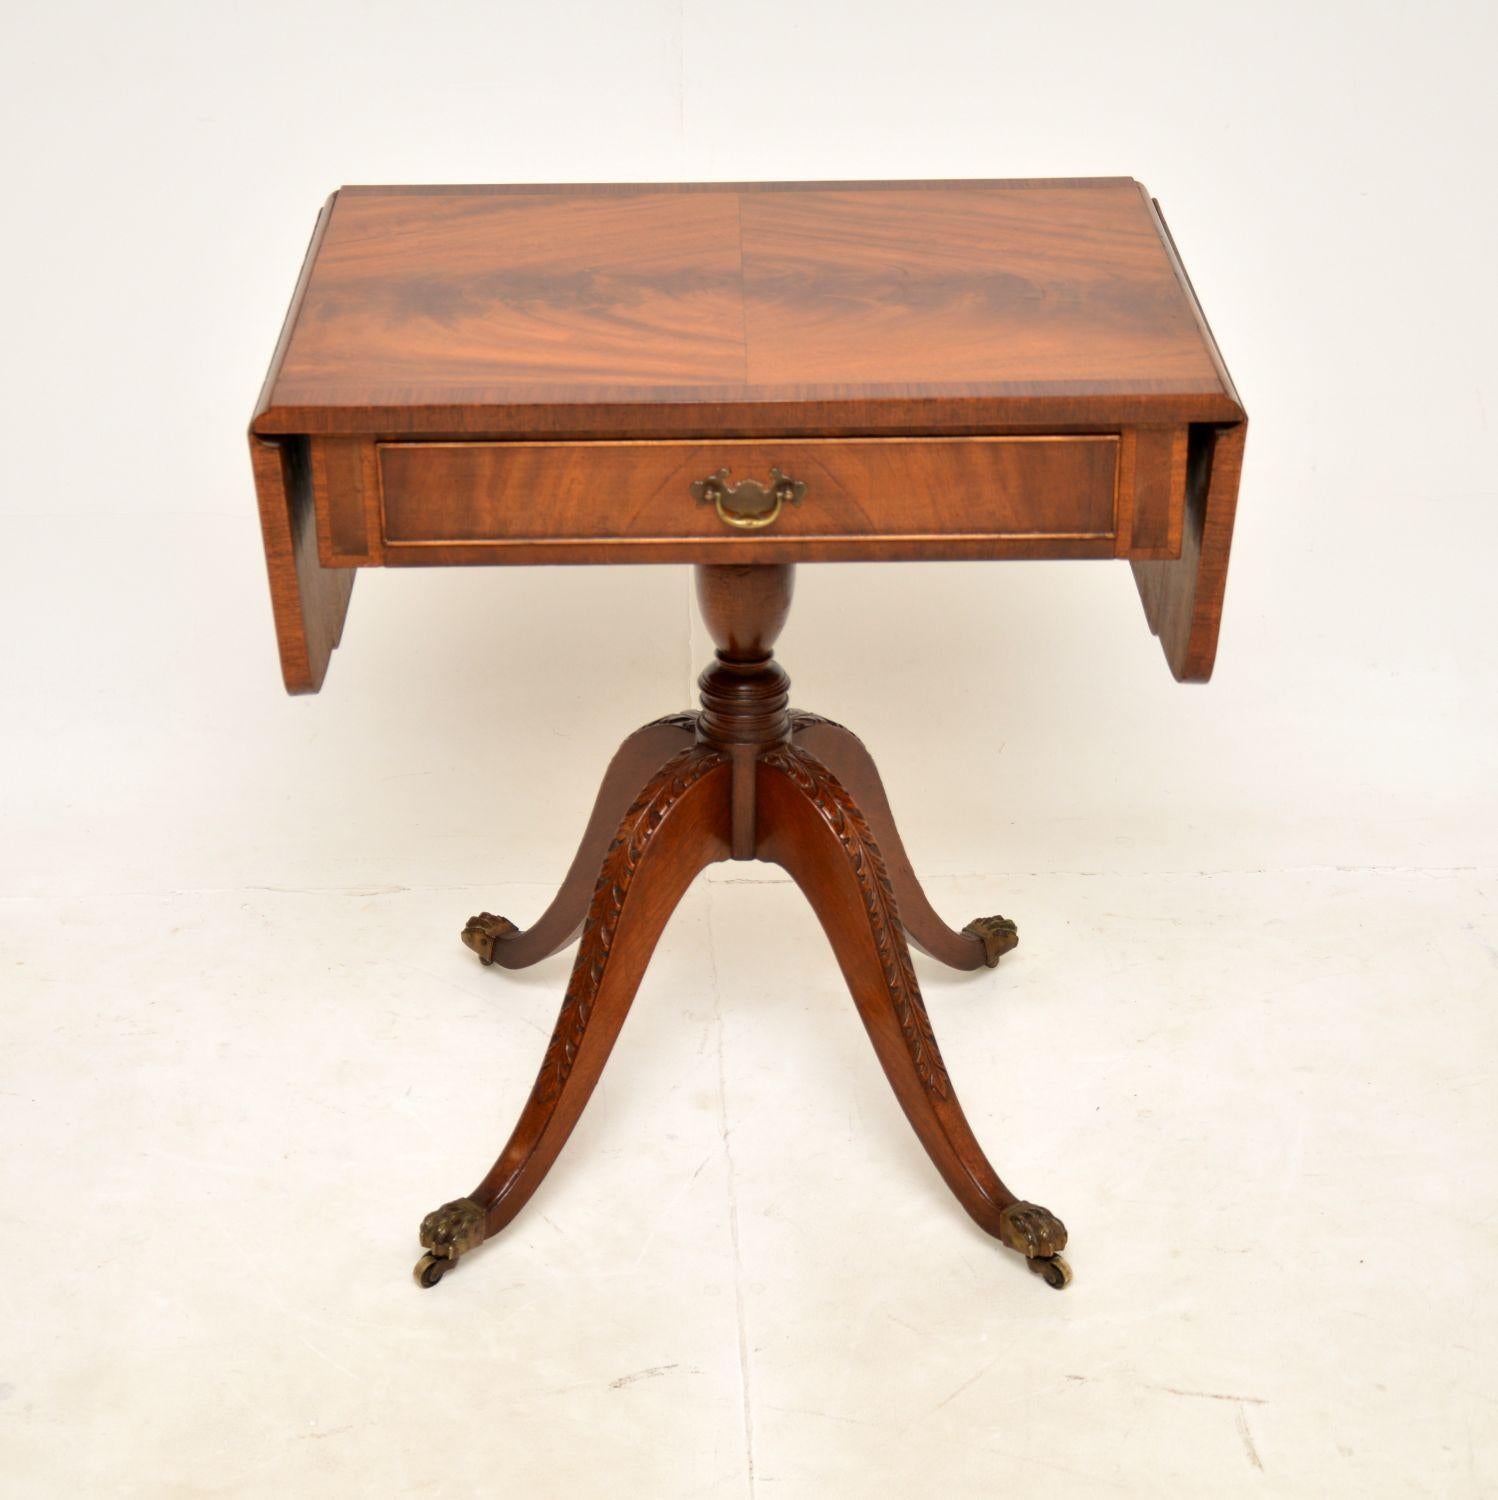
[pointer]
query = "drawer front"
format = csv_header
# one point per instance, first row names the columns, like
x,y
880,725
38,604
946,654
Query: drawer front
x,y
854,497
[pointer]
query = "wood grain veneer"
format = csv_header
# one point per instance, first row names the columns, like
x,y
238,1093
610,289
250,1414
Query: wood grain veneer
x,y
623,311
898,492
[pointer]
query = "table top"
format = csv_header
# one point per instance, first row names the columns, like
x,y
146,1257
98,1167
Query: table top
x,y
766,372
643,310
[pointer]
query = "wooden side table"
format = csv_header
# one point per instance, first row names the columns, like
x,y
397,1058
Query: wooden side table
x,y
744,377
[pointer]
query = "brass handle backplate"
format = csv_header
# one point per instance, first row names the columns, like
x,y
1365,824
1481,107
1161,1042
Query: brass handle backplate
x,y
748,505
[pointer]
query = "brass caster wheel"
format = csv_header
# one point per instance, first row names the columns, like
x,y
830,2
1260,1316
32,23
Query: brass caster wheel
x,y
1053,1269
430,1269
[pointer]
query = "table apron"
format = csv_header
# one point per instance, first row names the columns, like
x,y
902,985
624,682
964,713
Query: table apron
x,y
1101,494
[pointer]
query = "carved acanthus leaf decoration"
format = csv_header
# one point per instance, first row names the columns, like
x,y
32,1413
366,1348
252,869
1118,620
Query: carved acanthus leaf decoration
x,y
636,829
842,815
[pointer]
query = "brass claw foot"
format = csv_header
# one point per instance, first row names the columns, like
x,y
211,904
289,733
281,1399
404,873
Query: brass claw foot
x,y
484,932
448,1232
1040,1237
997,934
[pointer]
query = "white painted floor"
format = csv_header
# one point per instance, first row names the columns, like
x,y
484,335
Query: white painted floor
x,y
1261,1102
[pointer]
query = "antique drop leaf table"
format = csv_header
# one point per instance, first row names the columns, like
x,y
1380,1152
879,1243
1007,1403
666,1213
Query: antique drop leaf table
x,y
744,377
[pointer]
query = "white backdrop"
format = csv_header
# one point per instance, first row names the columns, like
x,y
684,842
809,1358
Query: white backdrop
x,y
1327,173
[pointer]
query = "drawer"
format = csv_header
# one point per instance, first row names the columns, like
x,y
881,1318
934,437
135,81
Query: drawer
x,y
883,493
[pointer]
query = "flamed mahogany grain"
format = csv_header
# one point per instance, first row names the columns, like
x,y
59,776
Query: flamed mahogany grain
x,y
460,311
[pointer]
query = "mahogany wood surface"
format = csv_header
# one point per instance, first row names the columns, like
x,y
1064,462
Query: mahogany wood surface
x,y
814,829
308,601
745,609
674,829
1151,491
891,489
745,693
1183,598
626,310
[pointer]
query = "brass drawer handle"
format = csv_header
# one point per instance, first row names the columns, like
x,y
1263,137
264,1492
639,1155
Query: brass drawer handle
x,y
748,505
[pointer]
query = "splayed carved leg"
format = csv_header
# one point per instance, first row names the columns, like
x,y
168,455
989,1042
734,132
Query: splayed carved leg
x,y
981,942
496,939
811,825
676,827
